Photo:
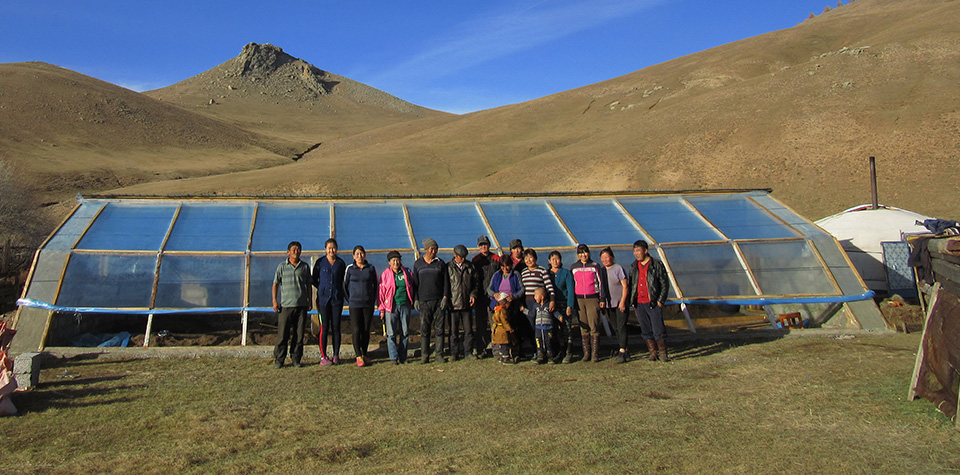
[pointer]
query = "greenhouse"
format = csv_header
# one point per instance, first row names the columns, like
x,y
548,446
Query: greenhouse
x,y
153,256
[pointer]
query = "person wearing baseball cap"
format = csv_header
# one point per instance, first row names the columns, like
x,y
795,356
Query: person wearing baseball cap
x,y
516,253
433,295
464,287
486,265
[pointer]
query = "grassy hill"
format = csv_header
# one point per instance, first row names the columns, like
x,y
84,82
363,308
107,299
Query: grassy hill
x,y
798,110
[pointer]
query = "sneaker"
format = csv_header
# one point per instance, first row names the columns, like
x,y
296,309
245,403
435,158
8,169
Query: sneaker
x,y
278,364
325,361
360,362
424,359
620,358
296,364
336,359
394,362
366,361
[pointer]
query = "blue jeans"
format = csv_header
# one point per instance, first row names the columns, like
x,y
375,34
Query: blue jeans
x,y
396,324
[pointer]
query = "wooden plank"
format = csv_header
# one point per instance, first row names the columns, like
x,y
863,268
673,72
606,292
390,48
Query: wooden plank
x,y
945,257
943,246
918,365
945,271
148,331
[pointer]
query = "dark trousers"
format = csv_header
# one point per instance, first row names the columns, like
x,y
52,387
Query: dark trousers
x,y
291,324
360,319
651,321
618,320
544,336
525,328
431,319
482,318
330,326
461,319
564,329
502,351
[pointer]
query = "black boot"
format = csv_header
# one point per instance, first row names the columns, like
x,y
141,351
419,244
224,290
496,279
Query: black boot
x,y
567,354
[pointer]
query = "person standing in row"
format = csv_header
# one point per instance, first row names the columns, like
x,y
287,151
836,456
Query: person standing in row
x,y
360,289
534,276
464,285
396,300
590,284
328,273
433,295
565,302
516,255
502,338
486,264
617,304
292,281
542,325
505,289
648,287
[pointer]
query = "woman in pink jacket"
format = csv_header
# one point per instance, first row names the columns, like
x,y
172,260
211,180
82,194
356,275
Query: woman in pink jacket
x,y
590,286
395,306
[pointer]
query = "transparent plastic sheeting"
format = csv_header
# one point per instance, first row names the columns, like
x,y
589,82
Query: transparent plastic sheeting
x,y
166,255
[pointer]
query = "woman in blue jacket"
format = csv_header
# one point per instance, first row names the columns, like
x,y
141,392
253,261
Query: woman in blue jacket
x,y
360,285
328,279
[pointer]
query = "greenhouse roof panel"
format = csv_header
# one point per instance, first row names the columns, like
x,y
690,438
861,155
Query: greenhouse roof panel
x,y
218,254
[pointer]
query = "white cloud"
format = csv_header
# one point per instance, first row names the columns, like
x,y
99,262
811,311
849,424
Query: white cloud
x,y
480,40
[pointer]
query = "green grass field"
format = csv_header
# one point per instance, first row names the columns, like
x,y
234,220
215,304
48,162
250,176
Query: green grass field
x,y
794,405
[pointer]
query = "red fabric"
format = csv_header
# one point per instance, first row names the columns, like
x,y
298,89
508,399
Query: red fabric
x,y
643,294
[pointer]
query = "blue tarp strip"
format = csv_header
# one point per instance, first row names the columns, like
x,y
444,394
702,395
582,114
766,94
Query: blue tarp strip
x,y
745,301
774,301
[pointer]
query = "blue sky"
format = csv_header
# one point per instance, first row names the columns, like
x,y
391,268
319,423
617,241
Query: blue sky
x,y
455,56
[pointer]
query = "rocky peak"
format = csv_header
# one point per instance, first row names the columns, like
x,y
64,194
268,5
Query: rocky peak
x,y
262,59
270,66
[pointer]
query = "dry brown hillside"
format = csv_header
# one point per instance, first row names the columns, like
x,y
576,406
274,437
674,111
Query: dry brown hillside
x,y
63,133
798,110
270,92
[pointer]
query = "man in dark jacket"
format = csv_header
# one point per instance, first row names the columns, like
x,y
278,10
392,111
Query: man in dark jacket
x,y
433,296
648,286
486,264
464,288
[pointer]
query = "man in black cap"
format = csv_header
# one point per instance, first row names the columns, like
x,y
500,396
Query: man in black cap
x,y
486,265
433,295
464,288
516,253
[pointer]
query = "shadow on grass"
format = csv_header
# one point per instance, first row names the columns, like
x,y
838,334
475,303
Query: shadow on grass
x,y
41,400
76,382
51,361
701,347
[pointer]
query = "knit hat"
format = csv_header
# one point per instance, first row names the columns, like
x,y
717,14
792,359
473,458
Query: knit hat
x,y
428,243
483,240
460,250
393,254
515,243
